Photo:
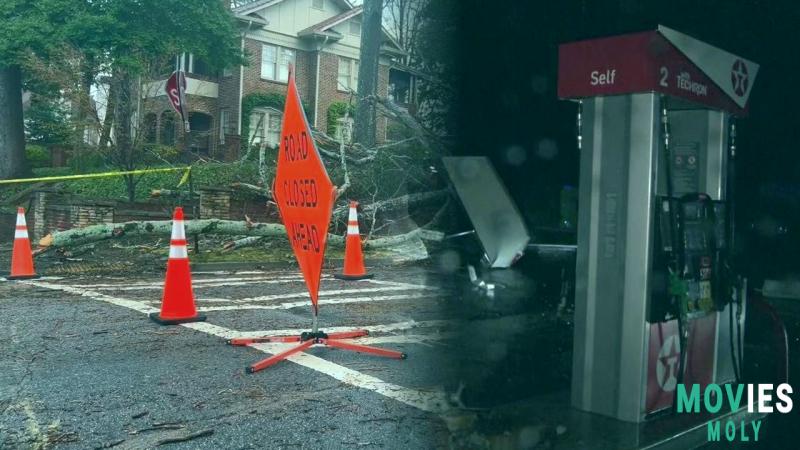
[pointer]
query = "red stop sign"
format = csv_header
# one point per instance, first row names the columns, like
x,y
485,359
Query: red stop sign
x,y
303,191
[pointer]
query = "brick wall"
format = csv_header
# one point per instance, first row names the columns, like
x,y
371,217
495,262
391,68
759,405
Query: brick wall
x,y
52,211
328,87
305,68
215,203
329,92
160,107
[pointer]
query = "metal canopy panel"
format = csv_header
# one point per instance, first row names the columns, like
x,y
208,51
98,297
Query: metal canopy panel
x,y
662,60
733,74
497,221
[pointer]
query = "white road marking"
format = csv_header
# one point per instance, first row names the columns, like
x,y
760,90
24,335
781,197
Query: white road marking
x,y
427,400
398,283
304,294
198,284
431,401
131,304
40,278
123,285
402,339
306,303
233,272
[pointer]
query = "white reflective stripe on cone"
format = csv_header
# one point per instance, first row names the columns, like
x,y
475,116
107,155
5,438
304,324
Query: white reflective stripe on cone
x,y
20,234
352,229
178,252
21,220
177,230
352,215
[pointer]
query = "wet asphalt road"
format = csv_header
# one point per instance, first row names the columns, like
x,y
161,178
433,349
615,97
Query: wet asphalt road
x,y
83,367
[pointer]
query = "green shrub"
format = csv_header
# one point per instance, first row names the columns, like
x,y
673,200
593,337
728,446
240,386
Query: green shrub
x,y
91,161
37,156
159,154
336,111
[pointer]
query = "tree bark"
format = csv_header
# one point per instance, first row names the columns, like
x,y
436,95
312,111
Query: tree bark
x,y
108,120
12,128
123,121
371,38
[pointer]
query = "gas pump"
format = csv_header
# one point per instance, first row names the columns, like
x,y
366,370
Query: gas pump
x,y
656,293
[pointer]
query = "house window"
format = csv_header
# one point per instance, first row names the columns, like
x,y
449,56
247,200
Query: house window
x,y
275,62
318,4
355,27
190,63
265,127
348,74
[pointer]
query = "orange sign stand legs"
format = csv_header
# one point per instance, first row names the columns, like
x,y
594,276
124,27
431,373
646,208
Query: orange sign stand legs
x,y
308,340
305,196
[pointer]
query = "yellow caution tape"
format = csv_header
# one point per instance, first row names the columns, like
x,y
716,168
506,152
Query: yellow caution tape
x,y
101,175
185,176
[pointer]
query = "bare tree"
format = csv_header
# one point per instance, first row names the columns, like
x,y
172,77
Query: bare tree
x,y
403,19
371,38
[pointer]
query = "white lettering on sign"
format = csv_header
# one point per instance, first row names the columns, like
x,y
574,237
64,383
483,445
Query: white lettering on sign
x,y
602,78
685,82
175,97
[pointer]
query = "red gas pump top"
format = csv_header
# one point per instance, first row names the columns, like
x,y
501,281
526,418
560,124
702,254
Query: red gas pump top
x,y
662,60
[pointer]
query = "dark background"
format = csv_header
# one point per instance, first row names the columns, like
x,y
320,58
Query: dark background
x,y
508,109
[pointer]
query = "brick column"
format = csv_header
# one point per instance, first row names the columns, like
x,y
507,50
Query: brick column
x,y
39,214
215,203
84,215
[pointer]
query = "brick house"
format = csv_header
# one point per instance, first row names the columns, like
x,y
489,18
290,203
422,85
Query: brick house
x,y
321,38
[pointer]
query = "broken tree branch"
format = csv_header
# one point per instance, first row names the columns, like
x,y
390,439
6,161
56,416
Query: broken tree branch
x,y
407,199
243,242
260,190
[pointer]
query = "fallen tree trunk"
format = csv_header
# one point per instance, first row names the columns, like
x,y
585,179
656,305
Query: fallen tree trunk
x,y
100,232
78,236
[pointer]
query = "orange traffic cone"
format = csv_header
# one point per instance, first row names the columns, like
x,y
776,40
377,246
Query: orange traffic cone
x,y
353,257
21,257
177,302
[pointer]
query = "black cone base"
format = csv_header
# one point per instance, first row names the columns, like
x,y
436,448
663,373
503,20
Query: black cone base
x,y
22,277
156,317
341,276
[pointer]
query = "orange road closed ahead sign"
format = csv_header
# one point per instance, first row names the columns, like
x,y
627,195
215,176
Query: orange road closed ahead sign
x,y
303,191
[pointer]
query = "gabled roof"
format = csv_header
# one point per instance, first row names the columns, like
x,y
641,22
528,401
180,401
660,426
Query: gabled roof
x,y
324,26
255,5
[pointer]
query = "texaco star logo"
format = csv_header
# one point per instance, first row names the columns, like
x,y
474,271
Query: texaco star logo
x,y
739,77
667,364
